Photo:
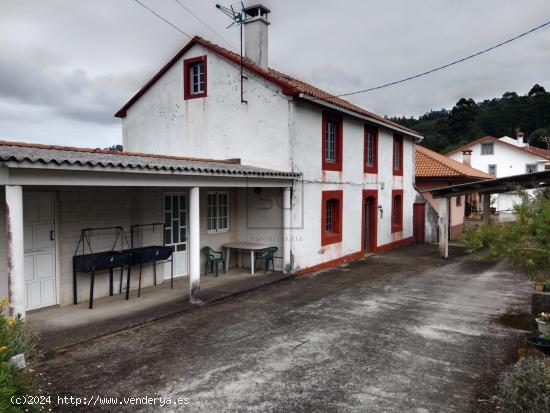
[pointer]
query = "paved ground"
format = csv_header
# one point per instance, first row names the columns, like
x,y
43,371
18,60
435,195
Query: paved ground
x,y
60,327
398,332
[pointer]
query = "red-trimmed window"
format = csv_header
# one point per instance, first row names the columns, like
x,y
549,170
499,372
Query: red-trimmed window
x,y
397,210
332,142
194,77
370,163
331,217
397,154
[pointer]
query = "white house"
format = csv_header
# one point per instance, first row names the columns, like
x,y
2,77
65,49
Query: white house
x,y
265,158
501,158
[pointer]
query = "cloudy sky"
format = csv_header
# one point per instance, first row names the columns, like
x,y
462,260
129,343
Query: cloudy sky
x,y
67,66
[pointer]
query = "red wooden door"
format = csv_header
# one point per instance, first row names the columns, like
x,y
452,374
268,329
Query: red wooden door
x,y
418,223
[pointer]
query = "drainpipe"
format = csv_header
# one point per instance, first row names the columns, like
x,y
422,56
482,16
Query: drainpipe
x,y
194,245
15,249
286,230
443,227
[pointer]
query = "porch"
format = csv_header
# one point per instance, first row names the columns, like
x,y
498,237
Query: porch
x,y
61,327
53,196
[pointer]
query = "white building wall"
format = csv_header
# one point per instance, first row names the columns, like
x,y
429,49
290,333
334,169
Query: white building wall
x,y
218,126
272,131
306,216
509,162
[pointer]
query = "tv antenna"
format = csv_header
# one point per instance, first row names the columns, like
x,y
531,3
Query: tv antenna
x,y
238,16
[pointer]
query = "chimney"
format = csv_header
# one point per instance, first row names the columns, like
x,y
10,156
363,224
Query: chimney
x,y
467,157
255,34
519,137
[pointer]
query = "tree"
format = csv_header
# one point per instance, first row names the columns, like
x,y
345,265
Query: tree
x,y
445,129
117,148
536,90
525,242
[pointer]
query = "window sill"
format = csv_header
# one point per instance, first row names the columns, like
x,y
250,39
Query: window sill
x,y
219,231
195,96
330,238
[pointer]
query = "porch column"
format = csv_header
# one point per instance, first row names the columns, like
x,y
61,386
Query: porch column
x,y
194,245
15,248
486,208
286,230
443,227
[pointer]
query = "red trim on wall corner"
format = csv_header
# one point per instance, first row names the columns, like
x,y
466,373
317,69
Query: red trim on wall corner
x,y
395,244
332,166
186,79
329,264
336,236
374,168
373,241
399,226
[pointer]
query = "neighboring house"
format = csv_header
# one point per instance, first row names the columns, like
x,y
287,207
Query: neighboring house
x,y
279,162
501,158
434,170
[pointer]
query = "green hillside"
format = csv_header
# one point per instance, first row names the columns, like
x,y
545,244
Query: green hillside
x,y
446,129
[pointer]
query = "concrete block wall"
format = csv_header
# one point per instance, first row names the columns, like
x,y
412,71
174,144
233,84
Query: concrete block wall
x,y
102,207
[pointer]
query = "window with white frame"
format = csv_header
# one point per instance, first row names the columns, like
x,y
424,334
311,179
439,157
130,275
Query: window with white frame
x,y
530,168
492,170
196,80
217,214
487,148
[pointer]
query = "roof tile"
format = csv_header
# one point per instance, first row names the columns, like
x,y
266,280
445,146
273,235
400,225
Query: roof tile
x,y
430,164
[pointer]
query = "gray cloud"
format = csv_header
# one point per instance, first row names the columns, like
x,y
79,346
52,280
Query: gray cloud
x,y
67,67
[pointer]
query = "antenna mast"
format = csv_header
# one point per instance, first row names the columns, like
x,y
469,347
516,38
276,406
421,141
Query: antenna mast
x,y
238,17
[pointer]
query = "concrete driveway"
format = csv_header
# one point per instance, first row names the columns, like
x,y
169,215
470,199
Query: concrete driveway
x,y
398,332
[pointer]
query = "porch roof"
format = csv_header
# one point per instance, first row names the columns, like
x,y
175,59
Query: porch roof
x,y
20,154
494,186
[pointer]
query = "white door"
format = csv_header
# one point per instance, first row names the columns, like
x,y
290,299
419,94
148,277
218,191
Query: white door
x,y
175,232
38,238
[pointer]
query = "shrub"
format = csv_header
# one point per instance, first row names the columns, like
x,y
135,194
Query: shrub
x,y
15,338
526,388
525,242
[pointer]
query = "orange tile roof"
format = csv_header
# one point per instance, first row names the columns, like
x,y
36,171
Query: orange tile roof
x,y
290,85
532,150
430,164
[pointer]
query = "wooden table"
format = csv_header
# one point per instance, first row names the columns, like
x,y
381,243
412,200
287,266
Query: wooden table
x,y
253,247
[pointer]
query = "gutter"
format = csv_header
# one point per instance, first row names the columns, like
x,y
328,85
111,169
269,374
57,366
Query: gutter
x,y
416,137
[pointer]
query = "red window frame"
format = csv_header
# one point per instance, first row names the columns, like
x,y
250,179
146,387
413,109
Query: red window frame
x,y
397,171
332,166
336,235
187,81
396,226
373,169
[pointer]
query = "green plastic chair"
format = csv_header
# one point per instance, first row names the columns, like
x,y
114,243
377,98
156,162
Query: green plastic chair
x,y
213,258
267,257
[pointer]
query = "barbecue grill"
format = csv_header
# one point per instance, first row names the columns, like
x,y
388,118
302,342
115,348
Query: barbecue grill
x,y
150,254
93,262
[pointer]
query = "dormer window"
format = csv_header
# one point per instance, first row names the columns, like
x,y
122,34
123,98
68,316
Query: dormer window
x,y
195,77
